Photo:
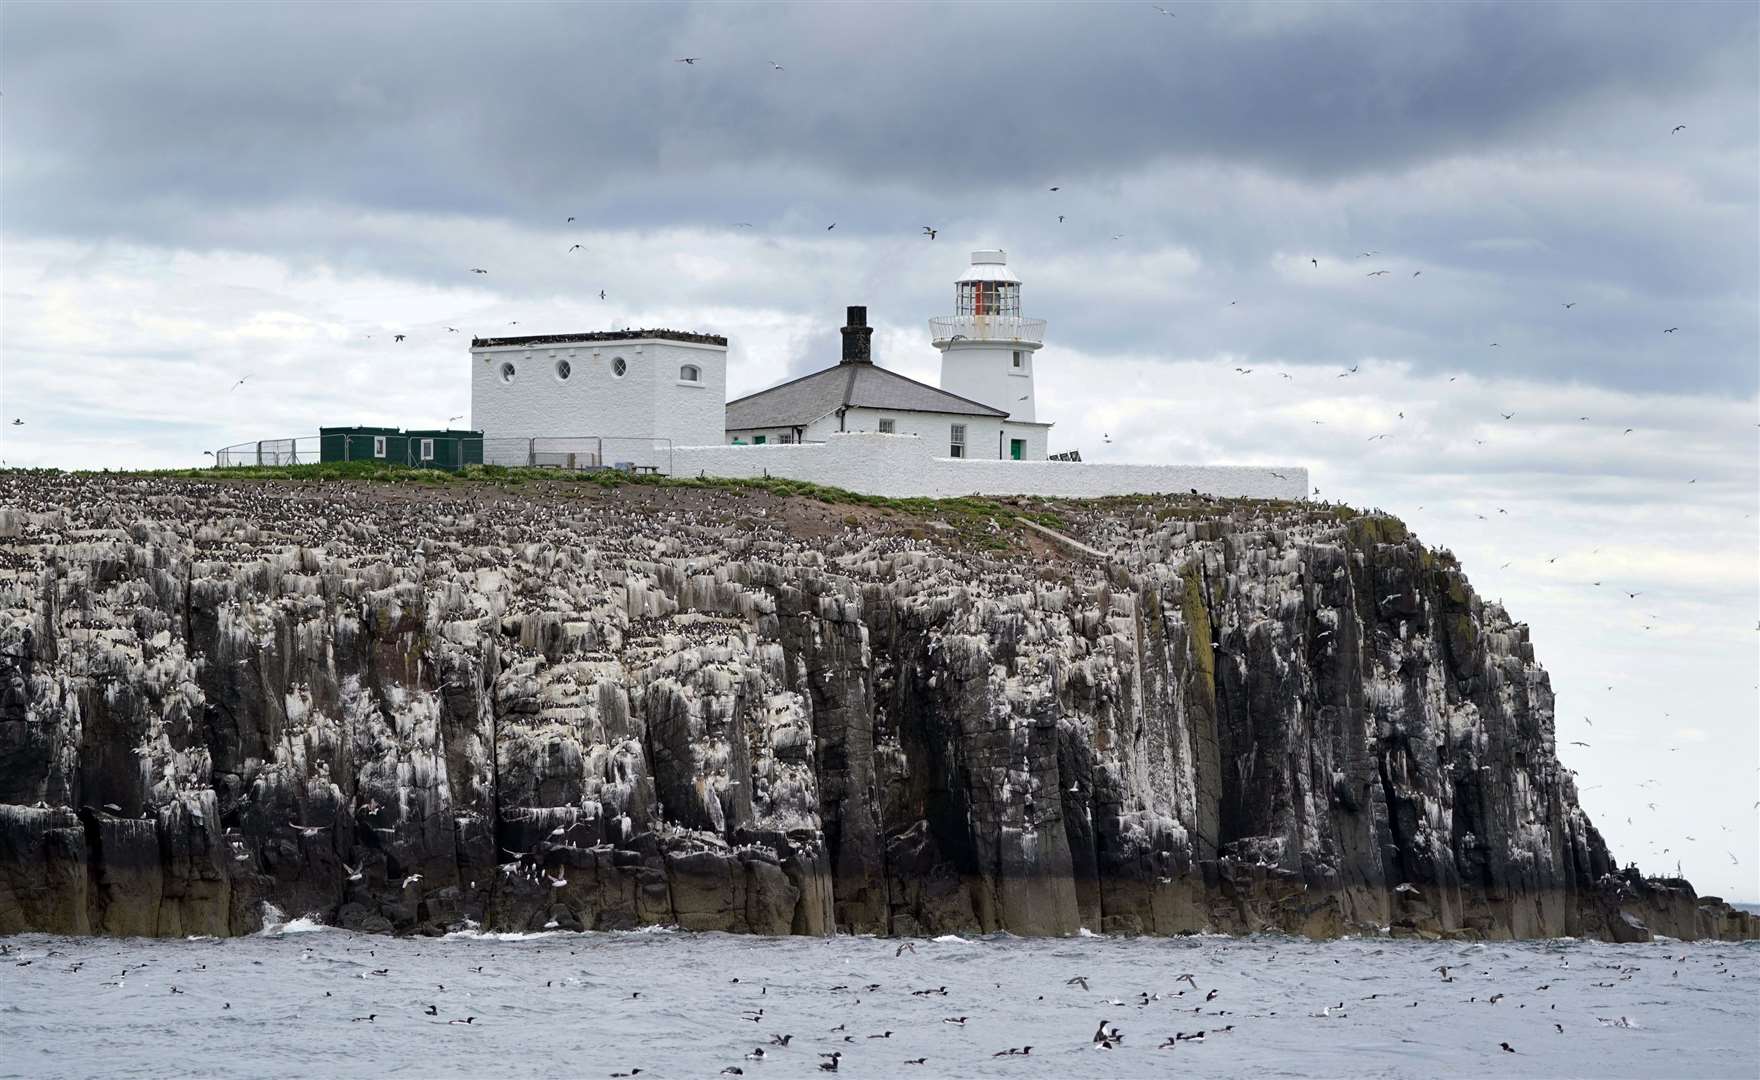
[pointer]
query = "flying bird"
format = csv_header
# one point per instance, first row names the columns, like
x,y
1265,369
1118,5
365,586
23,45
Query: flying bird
x,y
930,232
1671,329
687,59
1678,128
18,421
478,270
1570,305
452,329
1508,415
578,247
831,226
1316,263
233,387
1377,273
601,294
774,66
397,337
1056,189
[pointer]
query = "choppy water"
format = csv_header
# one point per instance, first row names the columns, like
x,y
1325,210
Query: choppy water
x,y
562,1004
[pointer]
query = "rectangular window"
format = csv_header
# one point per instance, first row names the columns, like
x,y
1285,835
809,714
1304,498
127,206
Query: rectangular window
x,y
889,427
1016,448
957,447
378,446
757,440
1017,358
785,437
427,449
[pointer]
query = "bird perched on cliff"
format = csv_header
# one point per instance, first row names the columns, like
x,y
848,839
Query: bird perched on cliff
x,y
411,880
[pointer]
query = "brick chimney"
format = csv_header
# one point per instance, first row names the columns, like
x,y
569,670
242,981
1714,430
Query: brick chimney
x,y
856,348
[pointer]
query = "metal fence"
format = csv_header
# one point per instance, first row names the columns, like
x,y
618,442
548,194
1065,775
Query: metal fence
x,y
568,452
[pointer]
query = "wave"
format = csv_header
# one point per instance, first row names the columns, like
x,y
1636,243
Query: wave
x,y
276,923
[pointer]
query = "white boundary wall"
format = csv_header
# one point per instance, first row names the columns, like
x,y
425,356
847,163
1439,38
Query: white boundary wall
x,y
900,466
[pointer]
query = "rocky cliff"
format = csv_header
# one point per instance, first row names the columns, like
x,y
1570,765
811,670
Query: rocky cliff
x,y
561,704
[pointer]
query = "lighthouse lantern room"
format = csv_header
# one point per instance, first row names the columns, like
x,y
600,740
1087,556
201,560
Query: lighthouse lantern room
x,y
986,346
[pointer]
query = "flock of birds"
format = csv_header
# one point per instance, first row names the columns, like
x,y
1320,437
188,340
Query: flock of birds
x,y
1180,1012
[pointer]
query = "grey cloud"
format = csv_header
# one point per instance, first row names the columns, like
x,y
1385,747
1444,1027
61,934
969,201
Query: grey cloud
x,y
492,110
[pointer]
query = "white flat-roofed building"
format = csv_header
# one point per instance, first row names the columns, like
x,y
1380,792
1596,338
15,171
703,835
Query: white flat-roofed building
x,y
577,400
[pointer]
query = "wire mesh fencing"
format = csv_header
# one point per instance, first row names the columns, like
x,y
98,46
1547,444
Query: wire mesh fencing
x,y
567,452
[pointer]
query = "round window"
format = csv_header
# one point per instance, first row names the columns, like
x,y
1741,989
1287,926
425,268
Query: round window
x,y
618,367
507,372
563,369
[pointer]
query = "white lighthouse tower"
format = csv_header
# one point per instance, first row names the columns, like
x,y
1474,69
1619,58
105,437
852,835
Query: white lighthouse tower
x,y
986,347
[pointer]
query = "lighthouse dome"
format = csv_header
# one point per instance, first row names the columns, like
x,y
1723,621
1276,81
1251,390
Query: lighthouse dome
x,y
991,265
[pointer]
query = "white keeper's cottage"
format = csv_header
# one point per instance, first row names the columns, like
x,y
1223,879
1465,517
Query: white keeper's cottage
x,y
982,409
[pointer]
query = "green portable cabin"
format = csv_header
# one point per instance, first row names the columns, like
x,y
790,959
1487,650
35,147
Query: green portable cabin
x,y
424,449
382,444
445,449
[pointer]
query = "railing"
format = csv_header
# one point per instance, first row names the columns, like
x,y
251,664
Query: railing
x,y
945,329
571,452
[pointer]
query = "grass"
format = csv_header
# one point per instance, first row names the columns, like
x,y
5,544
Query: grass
x,y
969,516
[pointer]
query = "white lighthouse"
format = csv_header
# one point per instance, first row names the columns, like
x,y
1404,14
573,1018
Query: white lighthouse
x,y
986,347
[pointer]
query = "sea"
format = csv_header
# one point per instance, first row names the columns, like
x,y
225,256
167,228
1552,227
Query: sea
x,y
302,999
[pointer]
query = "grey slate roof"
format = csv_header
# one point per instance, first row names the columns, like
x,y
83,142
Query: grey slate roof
x,y
858,385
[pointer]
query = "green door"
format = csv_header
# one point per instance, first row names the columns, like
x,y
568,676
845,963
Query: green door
x,y
1016,447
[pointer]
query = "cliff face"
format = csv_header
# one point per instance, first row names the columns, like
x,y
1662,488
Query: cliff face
x,y
562,705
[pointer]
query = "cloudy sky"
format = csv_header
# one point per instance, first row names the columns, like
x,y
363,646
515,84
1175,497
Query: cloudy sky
x,y
190,195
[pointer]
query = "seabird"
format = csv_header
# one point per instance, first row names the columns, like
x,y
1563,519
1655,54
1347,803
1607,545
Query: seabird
x,y
1079,980
432,1010
757,1054
1506,1047
369,1018
780,1040
957,1021
904,947
398,337
478,270
830,1064
466,1020
411,880
685,60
